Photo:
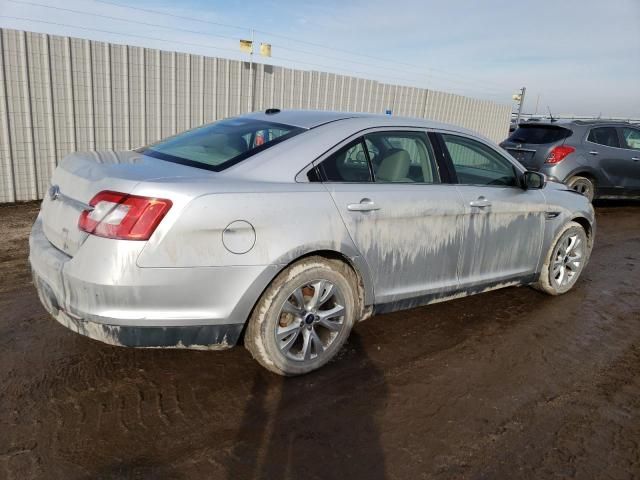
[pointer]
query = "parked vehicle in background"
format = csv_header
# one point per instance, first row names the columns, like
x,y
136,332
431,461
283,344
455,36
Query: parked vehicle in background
x,y
598,158
289,227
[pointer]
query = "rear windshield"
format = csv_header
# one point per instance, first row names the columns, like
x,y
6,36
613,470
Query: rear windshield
x,y
539,134
219,145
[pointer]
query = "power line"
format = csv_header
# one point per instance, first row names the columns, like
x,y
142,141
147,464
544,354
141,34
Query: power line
x,y
148,10
118,33
297,40
137,22
199,32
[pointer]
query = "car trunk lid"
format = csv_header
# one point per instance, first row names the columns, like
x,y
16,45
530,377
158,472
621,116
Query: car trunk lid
x,y
80,176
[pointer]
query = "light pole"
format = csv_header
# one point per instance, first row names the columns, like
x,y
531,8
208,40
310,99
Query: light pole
x,y
519,97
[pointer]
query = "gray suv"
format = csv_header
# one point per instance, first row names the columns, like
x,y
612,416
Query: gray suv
x,y
598,158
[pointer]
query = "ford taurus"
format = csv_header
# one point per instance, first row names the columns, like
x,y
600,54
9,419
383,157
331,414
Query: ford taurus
x,y
283,229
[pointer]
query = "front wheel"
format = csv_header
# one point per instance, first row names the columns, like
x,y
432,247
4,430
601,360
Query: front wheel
x,y
304,317
565,260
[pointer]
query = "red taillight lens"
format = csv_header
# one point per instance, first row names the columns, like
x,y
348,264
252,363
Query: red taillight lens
x,y
124,217
559,153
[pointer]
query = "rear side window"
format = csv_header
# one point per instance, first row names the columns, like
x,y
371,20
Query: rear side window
x,y
221,144
631,138
539,134
401,157
477,164
607,136
349,164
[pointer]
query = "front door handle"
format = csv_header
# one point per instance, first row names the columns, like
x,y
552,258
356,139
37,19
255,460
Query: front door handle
x,y
635,159
593,152
365,205
481,202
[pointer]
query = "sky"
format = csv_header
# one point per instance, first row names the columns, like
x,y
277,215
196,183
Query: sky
x,y
575,57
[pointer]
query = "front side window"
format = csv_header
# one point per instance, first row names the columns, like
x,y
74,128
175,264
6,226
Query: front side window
x,y
349,164
631,138
221,144
607,136
477,164
401,157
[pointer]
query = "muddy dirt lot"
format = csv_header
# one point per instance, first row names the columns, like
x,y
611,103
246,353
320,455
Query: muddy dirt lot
x,y
508,384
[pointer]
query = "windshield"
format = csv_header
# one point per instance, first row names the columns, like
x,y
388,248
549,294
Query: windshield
x,y
219,145
539,134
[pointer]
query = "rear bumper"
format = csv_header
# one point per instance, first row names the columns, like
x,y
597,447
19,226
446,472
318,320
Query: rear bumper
x,y
101,293
196,337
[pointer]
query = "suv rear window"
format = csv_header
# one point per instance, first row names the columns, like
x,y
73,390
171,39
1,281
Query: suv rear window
x,y
219,145
539,134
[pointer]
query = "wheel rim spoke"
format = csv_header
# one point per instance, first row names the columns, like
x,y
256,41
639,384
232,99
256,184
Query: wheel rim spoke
x,y
289,307
298,295
283,332
318,288
336,311
330,325
306,344
288,343
327,294
316,342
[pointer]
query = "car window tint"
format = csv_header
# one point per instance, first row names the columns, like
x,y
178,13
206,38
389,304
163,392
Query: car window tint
x,y
607,136
402,157
221,144
539,134
631,138
349,164
477,164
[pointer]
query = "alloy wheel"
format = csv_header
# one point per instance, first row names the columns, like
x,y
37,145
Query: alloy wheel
x,y
310,320
568,259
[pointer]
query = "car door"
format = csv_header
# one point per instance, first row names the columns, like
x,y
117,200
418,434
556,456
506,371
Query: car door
x,y
404,221
503,223
631,144
603,145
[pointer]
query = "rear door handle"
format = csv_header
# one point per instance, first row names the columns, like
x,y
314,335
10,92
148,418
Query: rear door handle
x,y
481,202
593,152
635,159
365,205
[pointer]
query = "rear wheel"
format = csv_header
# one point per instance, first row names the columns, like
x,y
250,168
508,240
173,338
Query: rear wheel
x,y
565,260
304,317
582,185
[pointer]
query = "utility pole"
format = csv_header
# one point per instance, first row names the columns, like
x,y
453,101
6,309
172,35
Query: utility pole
x,y
519,97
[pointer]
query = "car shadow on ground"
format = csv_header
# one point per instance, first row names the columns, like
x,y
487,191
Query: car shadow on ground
x,y
317,426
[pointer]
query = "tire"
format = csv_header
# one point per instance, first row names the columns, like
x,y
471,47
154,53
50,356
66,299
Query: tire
x,y
562,268
582,185
290,308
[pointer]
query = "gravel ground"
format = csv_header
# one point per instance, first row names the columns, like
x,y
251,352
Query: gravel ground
x,y
508,384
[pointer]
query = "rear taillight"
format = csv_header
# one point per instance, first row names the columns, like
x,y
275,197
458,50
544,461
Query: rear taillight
x,y
122,216
559,153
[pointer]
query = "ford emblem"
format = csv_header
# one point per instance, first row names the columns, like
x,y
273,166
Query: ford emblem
x,y
54,192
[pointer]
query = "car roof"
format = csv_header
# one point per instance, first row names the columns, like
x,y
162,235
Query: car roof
x,y
309,119
568,123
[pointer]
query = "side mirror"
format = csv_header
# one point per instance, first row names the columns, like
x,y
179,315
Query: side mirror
x,y
533,180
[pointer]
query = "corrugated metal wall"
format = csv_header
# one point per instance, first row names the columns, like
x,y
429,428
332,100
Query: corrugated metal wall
x,y
61,94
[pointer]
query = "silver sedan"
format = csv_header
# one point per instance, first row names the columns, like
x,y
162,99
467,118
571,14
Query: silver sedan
x,y
285,228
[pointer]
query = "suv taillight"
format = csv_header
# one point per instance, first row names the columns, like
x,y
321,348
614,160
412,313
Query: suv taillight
x,y
122,216
559,153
